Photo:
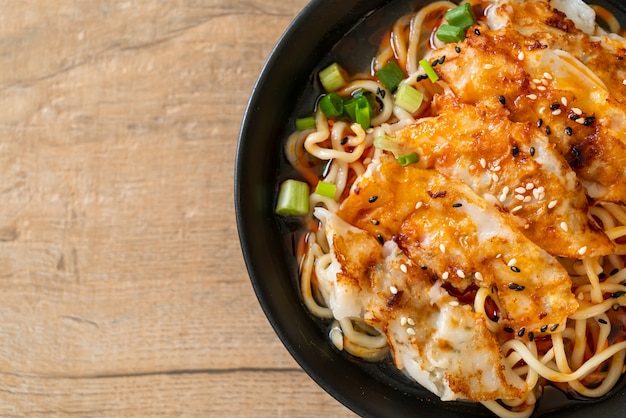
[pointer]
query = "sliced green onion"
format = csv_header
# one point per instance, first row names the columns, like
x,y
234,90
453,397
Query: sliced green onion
x,y
302,124
391,75
409,98
332,77
293,198
407,159
389,144
461,16
449,33
326,189
359,110
429,70
331,105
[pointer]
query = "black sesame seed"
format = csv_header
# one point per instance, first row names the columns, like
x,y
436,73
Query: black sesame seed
x,y
477,32
601,276
344,140
372,199
574,116
457,205
515,269
539,123
554,106
602,321
442,59
544,328
502,99
515,151
421,77
380,239
434,63
589,120
508,329
614,272
568,131
513,285
532,151
424,268
457,49
520,288
531,336
616,295
375,221
548,130
554,327
521,332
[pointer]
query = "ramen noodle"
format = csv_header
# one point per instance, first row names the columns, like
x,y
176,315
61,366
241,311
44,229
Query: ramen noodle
x,y
472,225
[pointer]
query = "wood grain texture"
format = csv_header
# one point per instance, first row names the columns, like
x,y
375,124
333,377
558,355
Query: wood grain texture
x,y
124,291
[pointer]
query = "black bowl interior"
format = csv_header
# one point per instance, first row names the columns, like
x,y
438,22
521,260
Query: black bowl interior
x,y
323,32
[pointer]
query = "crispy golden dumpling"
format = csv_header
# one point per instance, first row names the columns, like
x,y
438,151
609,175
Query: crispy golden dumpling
x,y
429,332
515,167
443,226
558,78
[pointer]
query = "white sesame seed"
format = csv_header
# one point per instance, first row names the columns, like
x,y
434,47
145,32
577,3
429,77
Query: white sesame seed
x,y
552,204
403,321
478,276
442,248
564,101
541,189
418,205
495,177
403,268
624,82
564,226
498,255
445,275
519,197
502,198
547,75
580,121
505,190
410,321
454,303
410,331
527,199
520,190
472,167
530,186
577,111
532,85
545,82
483,163
541,88
581,296
542,109
520,57
536,193
556,112
527,226
488,66
393,290
496,168
536,81
540,211
460,273
582,250
532,96
512,262
516,208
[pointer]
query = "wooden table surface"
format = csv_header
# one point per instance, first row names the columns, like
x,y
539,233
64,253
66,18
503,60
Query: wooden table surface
x,y
124,292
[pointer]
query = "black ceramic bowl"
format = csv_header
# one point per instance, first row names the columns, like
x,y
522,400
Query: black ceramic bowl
x,y
325,31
